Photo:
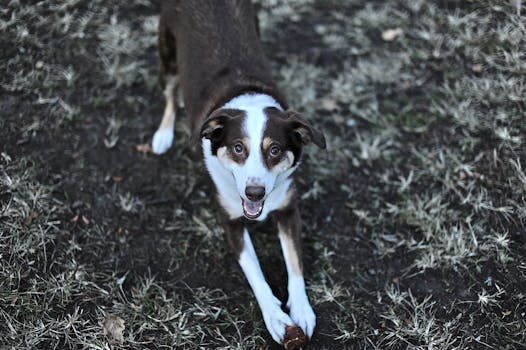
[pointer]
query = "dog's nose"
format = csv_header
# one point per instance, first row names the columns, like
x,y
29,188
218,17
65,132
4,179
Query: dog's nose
x,y
255,193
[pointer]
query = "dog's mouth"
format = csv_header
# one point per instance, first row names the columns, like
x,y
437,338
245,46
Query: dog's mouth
x,y
252,210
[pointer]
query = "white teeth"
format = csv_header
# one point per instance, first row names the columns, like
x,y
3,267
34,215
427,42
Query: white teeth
x,y
252,209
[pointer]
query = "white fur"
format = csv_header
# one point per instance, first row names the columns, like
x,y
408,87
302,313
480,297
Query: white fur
x,y
254,167
162,140
231,178
224,181
164,136
300,309
275,319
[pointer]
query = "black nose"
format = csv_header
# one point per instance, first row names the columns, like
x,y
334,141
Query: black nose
x,y
255,193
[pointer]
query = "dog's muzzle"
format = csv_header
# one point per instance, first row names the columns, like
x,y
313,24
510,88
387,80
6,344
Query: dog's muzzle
x,y
253,207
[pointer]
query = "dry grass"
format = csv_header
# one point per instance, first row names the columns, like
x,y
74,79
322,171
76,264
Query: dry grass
x,y
415,217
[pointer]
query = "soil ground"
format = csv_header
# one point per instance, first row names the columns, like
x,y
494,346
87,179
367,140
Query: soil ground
x,y
414,218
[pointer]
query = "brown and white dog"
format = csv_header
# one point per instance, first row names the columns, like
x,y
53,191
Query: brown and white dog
x,y
251,141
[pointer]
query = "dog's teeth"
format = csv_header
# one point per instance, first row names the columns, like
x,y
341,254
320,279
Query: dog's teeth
x,y
252,208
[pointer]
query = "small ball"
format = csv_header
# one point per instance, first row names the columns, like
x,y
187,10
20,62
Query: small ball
x,y
294,338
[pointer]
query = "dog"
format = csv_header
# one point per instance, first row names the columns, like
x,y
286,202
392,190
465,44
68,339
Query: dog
x,y
251,141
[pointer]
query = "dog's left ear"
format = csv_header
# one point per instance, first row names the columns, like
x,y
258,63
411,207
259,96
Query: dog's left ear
x,y
304,130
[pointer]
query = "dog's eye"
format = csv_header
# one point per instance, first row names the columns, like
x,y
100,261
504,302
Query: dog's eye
x,y
238,148
275,151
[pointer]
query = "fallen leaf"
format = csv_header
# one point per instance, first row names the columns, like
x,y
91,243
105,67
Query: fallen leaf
x,y
506,313
85,220
477,68
74,219
29,219
113,328
118,178
329,104
391,34
143,148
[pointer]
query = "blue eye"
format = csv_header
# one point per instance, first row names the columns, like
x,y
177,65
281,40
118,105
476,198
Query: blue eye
x,y
275,151
238,148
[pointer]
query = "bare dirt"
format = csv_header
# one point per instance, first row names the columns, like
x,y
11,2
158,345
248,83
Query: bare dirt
x,y
414,234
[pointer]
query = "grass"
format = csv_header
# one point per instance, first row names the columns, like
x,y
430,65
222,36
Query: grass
x,y
414,218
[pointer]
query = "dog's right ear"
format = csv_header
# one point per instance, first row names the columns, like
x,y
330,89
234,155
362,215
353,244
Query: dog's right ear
x,y
212,128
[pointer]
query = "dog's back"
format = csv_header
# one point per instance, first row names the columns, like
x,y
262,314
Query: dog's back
x,y
218,52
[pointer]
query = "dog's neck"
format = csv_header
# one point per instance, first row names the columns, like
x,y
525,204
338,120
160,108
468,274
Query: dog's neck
x,y
249,101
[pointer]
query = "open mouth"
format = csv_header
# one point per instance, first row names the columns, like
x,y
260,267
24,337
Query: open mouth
x,y
252,210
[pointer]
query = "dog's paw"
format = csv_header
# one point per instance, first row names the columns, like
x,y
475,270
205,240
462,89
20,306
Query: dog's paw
x,y
302,314
276,321
162,140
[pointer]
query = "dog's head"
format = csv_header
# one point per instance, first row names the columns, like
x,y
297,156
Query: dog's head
x,y
260,148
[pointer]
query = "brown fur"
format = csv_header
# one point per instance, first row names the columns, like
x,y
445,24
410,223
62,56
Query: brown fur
x,y
215,48
289,225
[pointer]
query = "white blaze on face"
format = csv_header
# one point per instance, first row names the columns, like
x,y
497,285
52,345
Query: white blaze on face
x,y
253,171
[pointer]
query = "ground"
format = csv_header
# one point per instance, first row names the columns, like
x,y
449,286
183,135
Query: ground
x,y
414,218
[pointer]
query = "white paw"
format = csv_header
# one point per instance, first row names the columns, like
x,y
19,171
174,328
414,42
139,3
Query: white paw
x,y
302,314
162,140
276,320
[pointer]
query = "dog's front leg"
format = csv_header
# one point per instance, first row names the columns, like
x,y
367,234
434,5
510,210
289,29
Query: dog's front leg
x,y
275,319
164,136
289,226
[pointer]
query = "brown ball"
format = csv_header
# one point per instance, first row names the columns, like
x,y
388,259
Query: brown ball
x,y
294,338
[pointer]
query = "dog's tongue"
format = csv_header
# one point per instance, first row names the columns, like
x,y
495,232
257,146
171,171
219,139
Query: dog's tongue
x,y
252,209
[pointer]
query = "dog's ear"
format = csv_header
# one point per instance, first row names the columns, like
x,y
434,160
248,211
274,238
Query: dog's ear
x,y
212,128
303,130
